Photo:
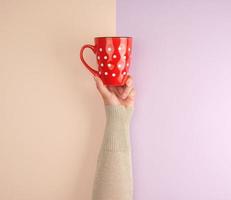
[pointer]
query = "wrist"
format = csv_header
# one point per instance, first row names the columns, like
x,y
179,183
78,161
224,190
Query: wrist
x,y
118,114
116,136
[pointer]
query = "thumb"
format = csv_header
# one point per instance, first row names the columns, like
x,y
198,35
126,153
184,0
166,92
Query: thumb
x,y
101,87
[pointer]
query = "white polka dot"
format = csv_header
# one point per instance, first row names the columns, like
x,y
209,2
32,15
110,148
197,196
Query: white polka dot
x,y
119,48
124,57
105,57
119,65
109,48
98,57
124,73
129,49
109,64
114,56
100,49
101,64
99,72
106,73
113,74
127,64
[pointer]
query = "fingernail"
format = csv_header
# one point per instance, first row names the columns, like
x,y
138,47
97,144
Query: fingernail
x,y
128,82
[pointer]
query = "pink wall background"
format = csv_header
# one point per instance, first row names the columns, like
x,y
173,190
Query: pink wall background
x,y
51,115
181,130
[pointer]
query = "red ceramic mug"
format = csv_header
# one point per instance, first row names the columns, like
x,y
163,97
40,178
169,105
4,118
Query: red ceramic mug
x,y
113,56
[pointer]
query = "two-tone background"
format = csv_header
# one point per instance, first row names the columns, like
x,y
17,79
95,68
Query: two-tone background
x,y
52,119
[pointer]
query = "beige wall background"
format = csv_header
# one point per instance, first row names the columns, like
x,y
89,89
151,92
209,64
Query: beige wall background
x,y
51,116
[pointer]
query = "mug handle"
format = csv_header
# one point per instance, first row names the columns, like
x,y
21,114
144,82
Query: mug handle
x,y
93,71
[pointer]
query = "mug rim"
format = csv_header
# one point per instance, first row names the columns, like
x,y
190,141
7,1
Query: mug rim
x,y
126,37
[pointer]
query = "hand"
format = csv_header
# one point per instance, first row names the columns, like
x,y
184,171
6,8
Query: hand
x,y
117,95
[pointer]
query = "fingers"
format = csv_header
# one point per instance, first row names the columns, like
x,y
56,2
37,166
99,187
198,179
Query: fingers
x,y
129,81
131,97
101,87
114,90
126,92
120,90
132,93
128,88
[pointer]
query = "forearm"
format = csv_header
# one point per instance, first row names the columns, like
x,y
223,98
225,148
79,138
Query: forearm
x,y
113,179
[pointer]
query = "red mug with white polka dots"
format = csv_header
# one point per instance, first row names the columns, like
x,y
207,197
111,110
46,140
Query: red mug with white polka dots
x,y
113,56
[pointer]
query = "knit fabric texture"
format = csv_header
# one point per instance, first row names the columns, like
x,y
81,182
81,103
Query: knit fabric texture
x,y
113,179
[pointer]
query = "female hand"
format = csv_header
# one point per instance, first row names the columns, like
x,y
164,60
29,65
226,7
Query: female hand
x,y
117,95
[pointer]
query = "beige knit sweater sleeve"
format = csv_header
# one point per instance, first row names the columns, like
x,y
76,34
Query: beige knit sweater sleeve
x,y
113,180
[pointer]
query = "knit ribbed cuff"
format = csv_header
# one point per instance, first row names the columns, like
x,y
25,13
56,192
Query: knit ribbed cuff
x,y
118,114
116,136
